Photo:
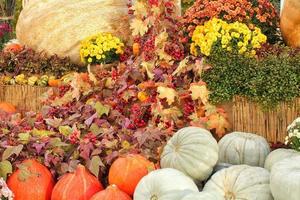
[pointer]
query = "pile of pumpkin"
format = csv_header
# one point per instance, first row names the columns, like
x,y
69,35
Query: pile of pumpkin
x,y
246,170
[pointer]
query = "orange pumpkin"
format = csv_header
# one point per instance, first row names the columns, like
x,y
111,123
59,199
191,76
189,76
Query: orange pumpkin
x,y
31,181
79,185
54,82
127,171
112,192
7,107
13,47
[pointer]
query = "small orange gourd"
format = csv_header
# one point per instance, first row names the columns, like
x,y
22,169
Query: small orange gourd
x,y
112,192
136,49
7,107
127,171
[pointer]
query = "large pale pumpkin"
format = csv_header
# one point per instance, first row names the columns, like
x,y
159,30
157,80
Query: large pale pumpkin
x,y
31,181
243,148
163,184
193,151
202,196
79,185
285,179
278,155
57,27
240,182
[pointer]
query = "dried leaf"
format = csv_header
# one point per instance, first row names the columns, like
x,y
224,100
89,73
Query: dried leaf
x,y
139,27
42,133
218,122
24,137
182,67
10,150
54,122
101,109
5,169
94,165
199,91
169,93
148,67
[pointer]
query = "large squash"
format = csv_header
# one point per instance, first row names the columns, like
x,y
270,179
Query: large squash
x,y
57,26
285,179
164,184
112,192
202,196
31,181
240,182
243,148
193,151
278,155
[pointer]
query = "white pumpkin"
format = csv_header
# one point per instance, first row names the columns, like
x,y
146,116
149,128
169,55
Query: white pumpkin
x,y
193,151
243,148
285,179
240,182
164,184
278,155
58,27
201,196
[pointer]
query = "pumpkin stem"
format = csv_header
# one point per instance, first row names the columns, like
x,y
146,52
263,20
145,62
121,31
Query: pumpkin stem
x,y
154,197
229,196
80,169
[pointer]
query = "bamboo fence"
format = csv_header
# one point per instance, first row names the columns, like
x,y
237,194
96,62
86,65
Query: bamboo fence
x,y
24,97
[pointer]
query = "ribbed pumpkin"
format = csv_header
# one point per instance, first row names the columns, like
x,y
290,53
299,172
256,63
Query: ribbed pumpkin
x,y
201,196
240,182
79,185
193,151
31,181
164,184
58,27
7,107
279,155
243,148
285,179
112,192
127,171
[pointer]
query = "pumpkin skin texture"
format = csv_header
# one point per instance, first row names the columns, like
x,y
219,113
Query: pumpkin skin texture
x,y
164,184
285,179
37,185
193,151
7,107
79,185
201,196
112,192
278,155
243,148
127,171
240,182
58,27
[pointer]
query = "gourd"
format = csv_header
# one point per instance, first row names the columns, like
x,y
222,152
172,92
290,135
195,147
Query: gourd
x,y
163,184
240,182
79,185
243,148
112,192
201,196
290,22
278,155
58,27
7,107
31,181
285,179
136,168
193,151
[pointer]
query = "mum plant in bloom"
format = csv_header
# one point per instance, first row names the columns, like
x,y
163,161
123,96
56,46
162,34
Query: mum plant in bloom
x,y
293,138
101,48
229,36
259,13
5,192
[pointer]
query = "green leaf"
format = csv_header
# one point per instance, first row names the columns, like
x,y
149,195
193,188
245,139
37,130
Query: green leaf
x,y
101,109
65,130
5,168
42,133
56,142
95,129
24,137
94,165
10,150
